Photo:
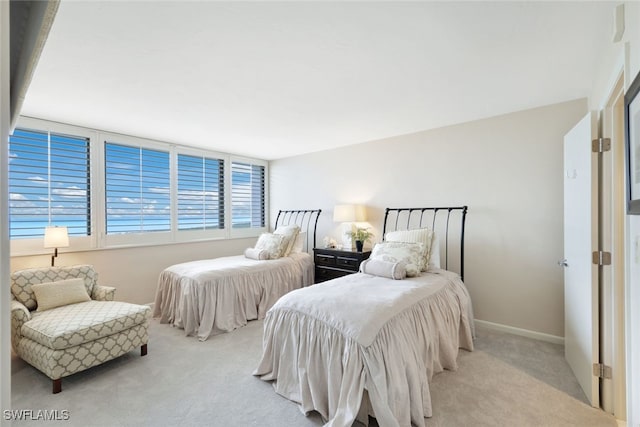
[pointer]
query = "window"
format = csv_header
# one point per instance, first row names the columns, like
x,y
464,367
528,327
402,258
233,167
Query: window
x,y
138,198
112,190
247,195
200,193
49,183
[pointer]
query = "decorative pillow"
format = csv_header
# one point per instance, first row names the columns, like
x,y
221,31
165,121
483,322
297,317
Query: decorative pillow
x,y
56,294
411,254
420,235
272,243
257,254
390,270
290,232
298,245
22,280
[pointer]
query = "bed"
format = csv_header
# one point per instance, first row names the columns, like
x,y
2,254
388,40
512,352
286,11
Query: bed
x,y
365,345
212,296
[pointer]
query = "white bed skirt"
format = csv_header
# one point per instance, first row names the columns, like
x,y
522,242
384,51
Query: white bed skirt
x,y
322,369
209,297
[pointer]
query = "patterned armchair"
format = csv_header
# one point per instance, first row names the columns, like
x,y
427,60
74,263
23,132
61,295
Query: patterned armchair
x,y
70,338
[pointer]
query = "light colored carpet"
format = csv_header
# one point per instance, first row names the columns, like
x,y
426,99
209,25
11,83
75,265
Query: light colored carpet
x,y
183,382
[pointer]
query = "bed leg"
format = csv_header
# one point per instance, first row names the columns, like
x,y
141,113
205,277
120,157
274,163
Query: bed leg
x,y
57,386
143,350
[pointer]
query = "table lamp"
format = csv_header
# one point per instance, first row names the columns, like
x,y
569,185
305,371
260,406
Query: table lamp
x,y
347,215
55,237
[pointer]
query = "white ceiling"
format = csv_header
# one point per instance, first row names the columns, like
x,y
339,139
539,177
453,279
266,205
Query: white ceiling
x,y
272,80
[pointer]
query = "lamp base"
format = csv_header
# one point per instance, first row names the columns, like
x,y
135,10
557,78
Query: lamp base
x,y
347,242
53,257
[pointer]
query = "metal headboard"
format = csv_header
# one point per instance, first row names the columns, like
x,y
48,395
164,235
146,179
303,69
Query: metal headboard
x,y
436,218
302,218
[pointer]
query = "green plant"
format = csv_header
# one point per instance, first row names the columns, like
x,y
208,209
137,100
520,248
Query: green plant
x,y
361,234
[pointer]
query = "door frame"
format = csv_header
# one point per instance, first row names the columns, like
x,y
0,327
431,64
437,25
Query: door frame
x,y
613,232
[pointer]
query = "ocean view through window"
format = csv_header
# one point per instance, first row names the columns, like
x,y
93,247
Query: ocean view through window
x,y
137,189
247,195
49,183
112,190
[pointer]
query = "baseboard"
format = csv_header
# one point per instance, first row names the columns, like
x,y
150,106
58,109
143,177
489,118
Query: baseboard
x,y
522,332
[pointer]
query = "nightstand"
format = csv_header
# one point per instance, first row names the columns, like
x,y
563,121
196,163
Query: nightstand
x,y
332,263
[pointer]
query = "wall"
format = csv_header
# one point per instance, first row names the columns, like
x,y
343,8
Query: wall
x,y
134,271
5,295
507,169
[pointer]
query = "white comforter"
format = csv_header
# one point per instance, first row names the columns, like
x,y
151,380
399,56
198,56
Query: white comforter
x,y
362,344
208,297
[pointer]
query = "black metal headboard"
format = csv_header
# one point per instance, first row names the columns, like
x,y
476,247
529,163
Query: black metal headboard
x,y
436,218
304,219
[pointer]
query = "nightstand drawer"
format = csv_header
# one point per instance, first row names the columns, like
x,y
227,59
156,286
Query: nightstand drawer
x,y
328,260
324,274
348,262
333,263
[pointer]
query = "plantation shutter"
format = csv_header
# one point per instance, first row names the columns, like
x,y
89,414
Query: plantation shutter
x,y
49,183
137,181
200,193
247,195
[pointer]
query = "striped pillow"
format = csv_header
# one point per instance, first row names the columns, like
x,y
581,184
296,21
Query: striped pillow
x,y
420,235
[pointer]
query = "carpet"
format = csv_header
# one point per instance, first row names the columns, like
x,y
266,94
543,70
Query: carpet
x,y
184,382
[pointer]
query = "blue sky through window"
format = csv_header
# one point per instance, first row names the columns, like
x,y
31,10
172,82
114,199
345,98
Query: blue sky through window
x,y
49,183
137,189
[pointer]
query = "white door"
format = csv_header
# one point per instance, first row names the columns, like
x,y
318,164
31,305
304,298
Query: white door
x,y
580,240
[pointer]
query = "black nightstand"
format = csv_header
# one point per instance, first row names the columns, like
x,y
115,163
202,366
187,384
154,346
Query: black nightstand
x,y
332,263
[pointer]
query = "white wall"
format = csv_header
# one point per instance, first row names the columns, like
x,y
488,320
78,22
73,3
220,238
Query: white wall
x,y
5,295
507,169
134,271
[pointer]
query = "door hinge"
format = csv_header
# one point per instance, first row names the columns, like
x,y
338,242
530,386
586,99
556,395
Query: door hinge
x,y
601,145
601,258
601,370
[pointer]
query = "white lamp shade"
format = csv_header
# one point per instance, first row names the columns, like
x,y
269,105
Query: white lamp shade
x,y
349,213
56,237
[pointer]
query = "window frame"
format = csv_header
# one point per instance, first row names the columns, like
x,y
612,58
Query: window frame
x,y
99,240
251,231
34,246
198,235
130,239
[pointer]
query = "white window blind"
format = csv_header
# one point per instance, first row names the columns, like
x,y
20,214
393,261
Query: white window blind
x,y
247,195
200,193
49,183
137,189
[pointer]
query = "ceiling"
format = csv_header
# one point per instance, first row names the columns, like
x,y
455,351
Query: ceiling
x,y
277,79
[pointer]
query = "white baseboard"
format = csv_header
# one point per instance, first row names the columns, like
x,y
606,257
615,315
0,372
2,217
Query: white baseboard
x,y
522,332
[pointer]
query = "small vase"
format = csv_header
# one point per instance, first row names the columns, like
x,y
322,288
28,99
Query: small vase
x,y
359,244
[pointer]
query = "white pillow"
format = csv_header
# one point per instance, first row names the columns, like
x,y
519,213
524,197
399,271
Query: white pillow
x,y
257,254
63,292
390,270
272,243
411,254
290,232
298,245
420,235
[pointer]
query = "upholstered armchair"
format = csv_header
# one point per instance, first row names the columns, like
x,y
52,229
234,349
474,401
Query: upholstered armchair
x,y
63,322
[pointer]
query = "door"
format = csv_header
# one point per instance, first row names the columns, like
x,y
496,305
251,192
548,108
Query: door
x,y
581,320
